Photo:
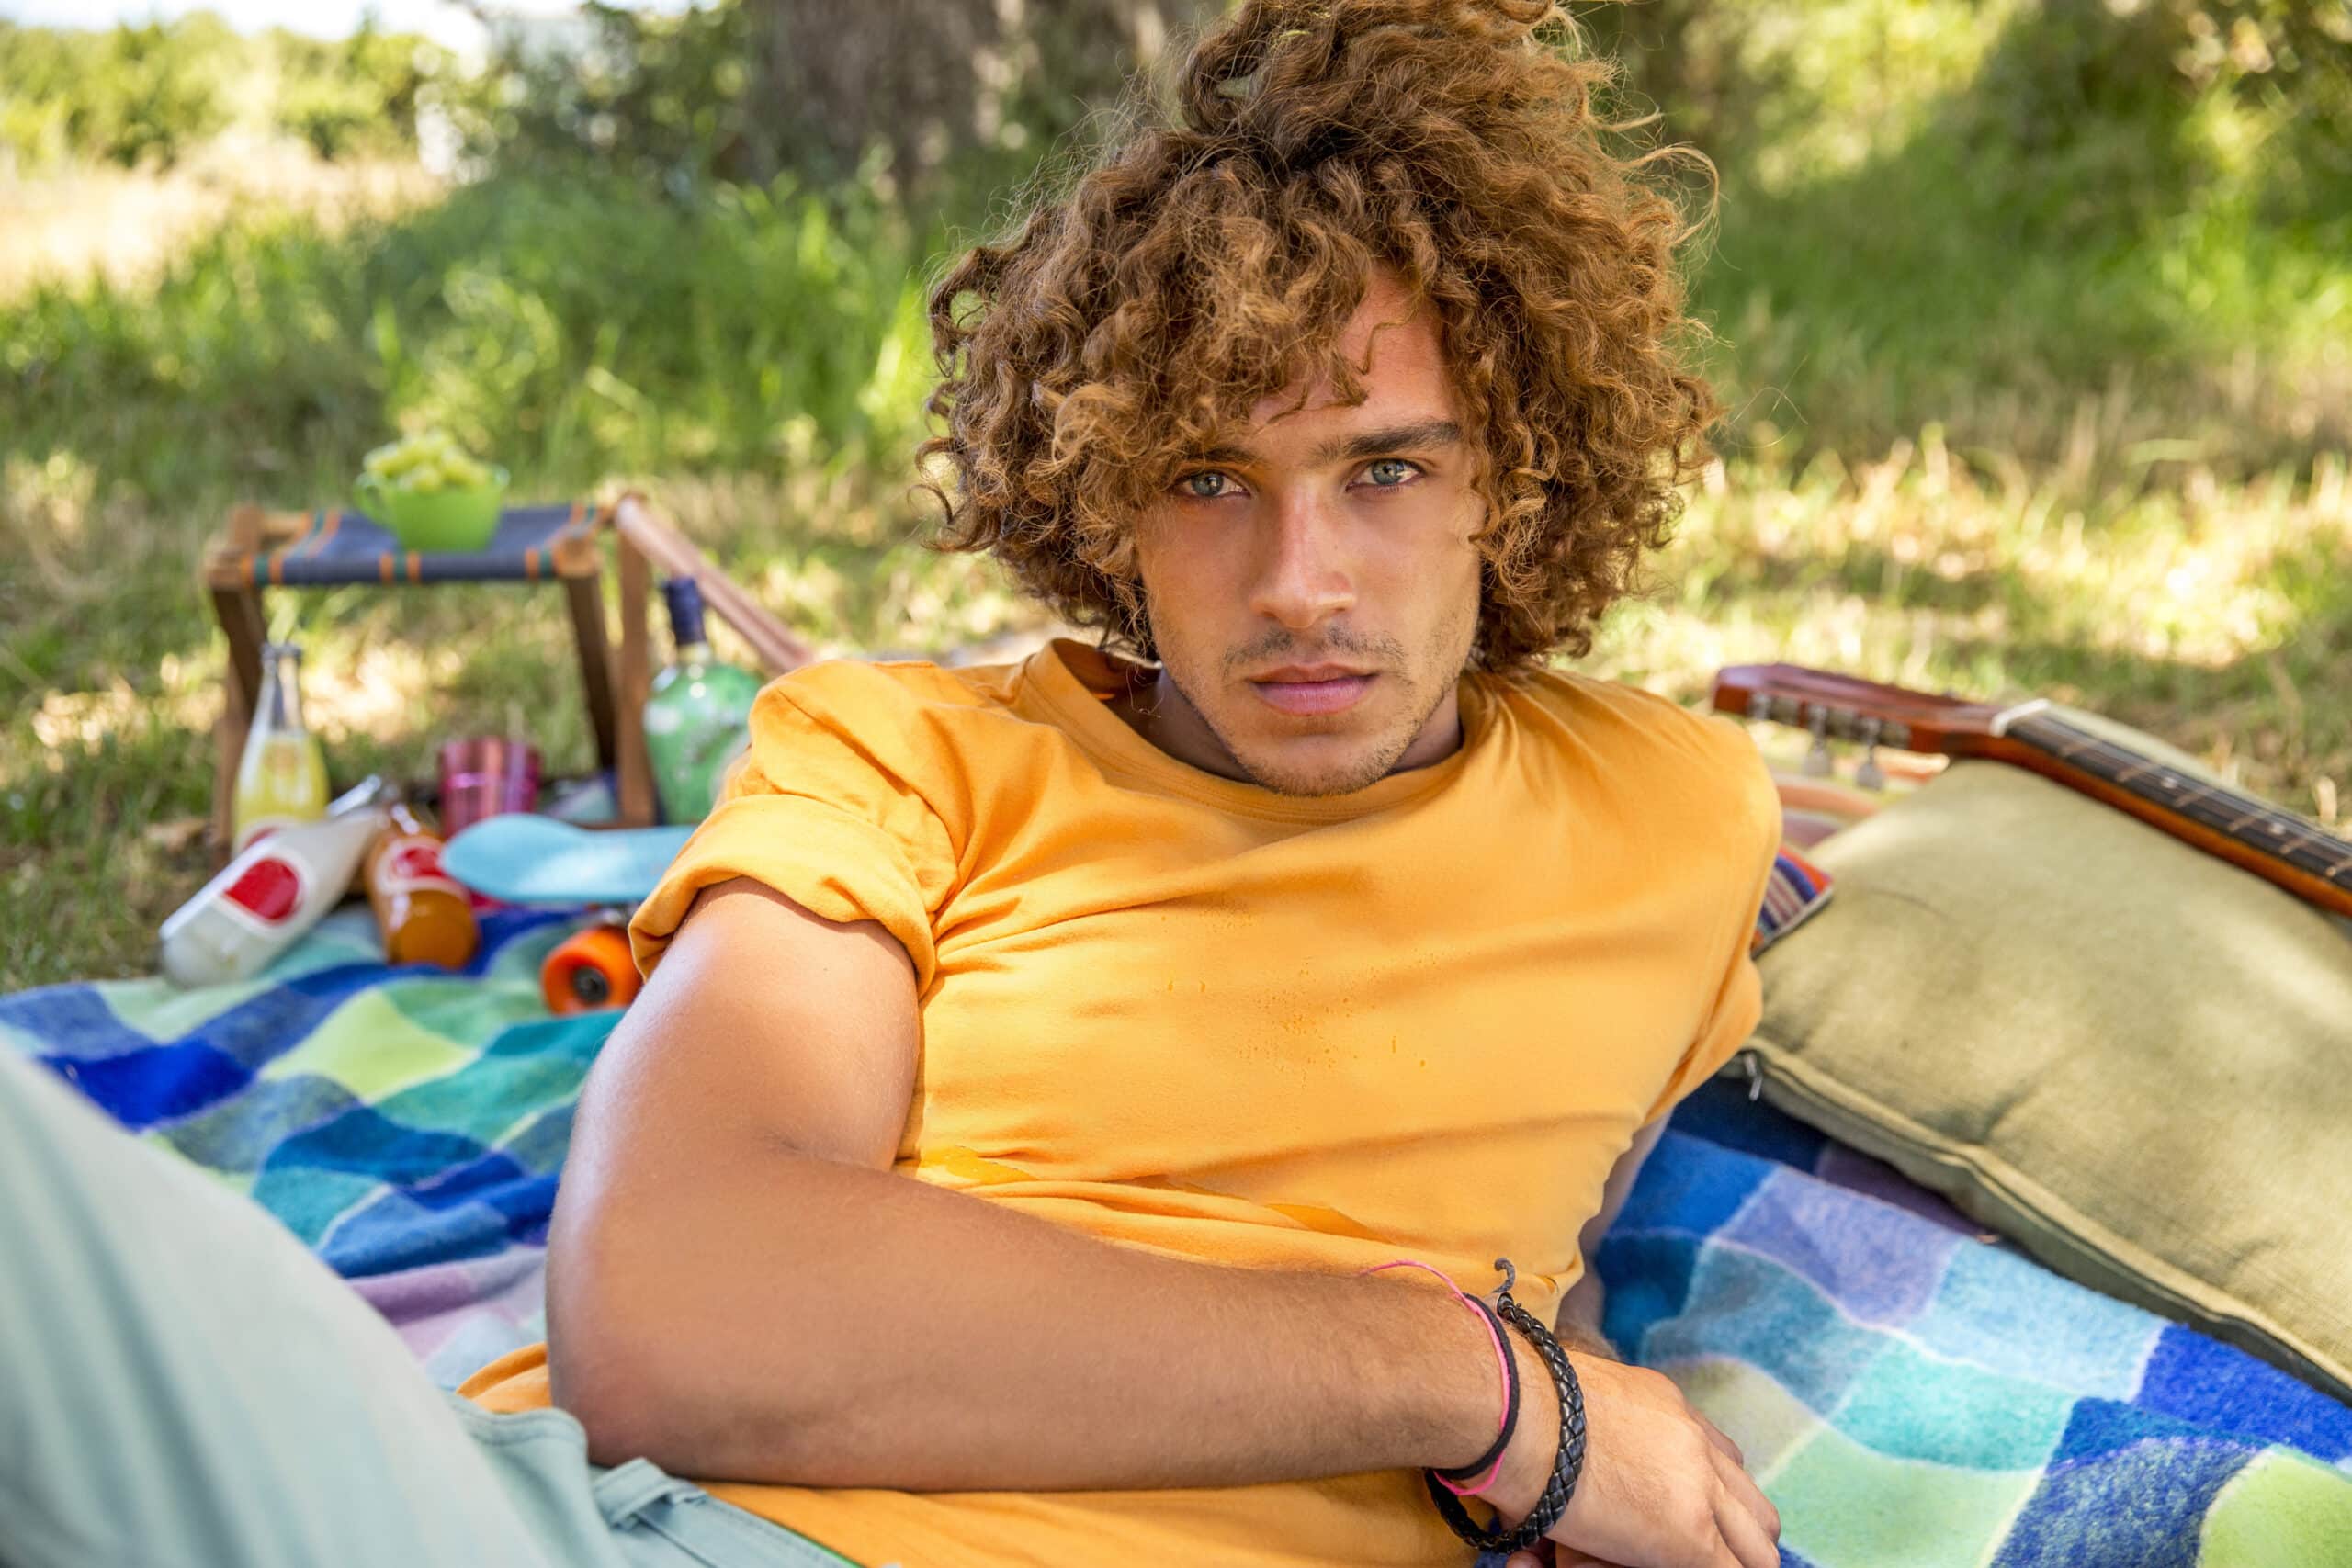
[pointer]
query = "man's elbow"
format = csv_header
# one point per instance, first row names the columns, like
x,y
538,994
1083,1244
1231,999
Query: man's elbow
x,y
616,1383
675,1337
631,1352
648,1377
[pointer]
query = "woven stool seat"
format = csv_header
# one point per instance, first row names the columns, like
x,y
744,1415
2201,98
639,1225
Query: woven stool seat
x,y
330,546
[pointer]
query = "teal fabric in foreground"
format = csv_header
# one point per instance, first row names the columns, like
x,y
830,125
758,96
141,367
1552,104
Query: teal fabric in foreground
x,y
181,1382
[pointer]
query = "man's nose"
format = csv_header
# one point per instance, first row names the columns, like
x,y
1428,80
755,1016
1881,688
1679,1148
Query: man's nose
x,y
1302,576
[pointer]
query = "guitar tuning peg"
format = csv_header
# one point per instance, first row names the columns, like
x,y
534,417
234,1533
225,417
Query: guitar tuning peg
x,y
1869,775
1817,761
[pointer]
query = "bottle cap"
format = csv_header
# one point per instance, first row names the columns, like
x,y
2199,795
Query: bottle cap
x,y
370,791
684,595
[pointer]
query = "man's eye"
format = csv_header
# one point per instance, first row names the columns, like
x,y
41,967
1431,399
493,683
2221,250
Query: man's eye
x,y
1387,473
1206,485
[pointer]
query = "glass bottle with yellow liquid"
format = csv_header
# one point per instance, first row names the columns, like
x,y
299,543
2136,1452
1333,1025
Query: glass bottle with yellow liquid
x,y
282,777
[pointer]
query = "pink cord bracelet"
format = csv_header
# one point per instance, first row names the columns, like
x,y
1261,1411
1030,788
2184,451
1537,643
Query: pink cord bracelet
x,y
1503,1369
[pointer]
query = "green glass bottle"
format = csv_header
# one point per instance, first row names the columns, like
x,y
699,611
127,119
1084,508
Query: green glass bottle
x,y
697,720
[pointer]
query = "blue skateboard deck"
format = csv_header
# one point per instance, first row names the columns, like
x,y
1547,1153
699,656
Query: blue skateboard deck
x,y
524,858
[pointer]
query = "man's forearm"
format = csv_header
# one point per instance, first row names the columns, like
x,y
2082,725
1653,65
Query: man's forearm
x,y
798,1320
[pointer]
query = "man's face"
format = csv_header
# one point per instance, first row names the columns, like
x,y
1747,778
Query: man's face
x,y
1311,584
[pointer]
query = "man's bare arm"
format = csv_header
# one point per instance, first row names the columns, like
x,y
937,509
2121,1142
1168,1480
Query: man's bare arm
x,y
739,1286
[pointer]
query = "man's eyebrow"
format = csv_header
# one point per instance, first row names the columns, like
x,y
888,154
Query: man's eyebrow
x,y
1367,444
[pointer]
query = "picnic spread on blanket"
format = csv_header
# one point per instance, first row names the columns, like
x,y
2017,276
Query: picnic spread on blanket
x,y
1883,1288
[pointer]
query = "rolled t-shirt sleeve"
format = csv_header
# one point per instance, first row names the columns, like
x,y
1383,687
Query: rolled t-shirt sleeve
x,y
829,808
1752,838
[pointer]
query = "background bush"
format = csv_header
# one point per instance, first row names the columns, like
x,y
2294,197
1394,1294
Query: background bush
x,y
151,94
133,95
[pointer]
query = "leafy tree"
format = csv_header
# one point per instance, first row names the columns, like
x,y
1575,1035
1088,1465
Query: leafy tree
x,y
927,97
360,95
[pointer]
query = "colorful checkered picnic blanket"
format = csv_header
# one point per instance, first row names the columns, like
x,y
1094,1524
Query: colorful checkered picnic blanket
x,y
1910,1392
1910,1396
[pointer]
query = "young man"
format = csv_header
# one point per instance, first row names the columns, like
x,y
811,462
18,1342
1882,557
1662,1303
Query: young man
x,y
1036,1060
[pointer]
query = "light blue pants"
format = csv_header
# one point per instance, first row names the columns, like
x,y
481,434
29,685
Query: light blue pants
x,y
181,1384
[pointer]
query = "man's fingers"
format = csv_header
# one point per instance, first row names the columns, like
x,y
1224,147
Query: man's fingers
x,y
1749,1545
1559,1557
1750,1524
1750,1497
1722,1440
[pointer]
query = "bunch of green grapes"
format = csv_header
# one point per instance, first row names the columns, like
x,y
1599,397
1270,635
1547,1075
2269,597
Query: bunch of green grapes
x,y
426,464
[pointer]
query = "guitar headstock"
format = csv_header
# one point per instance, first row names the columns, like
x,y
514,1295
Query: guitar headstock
x,y
1843,707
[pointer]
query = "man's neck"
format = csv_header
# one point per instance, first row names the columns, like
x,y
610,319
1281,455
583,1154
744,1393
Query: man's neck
x,y
1155,709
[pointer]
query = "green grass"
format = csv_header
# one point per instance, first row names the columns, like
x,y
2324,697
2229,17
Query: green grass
x,y
1986,214
2217,615
2062,412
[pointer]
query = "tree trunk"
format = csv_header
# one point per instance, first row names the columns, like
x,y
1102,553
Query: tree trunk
x,y
926,78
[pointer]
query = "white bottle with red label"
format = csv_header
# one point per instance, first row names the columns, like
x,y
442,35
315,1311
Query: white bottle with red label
x,y
278,888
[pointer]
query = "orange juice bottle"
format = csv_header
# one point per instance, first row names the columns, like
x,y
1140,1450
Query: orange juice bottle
x,y
282,774
423,916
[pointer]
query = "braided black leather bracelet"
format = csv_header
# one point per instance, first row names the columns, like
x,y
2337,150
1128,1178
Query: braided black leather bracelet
x,y
1567,1465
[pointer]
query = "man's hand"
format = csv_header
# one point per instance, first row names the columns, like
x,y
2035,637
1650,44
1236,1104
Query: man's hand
x,y
1662,1487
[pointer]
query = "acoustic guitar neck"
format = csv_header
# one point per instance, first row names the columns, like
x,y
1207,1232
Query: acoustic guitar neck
x,y
2293,851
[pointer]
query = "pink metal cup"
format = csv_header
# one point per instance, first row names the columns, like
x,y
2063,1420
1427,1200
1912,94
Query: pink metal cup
x,y
486,775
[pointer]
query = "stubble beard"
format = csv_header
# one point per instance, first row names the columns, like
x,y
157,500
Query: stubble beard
x,y
1361,772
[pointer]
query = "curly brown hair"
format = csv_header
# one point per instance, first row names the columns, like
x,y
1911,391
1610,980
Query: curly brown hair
x,y
1202,265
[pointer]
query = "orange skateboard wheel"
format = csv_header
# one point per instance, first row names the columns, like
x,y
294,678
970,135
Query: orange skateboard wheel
x,y
589,970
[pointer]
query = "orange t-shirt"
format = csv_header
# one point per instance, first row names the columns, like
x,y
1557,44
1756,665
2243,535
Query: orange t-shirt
x,y
1184,1013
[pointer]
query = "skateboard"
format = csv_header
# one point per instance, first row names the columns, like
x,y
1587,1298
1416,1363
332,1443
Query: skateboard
x,y
525,859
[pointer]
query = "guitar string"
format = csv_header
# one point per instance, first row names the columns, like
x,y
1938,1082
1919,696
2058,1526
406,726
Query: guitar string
x,y
2287,831
2172,777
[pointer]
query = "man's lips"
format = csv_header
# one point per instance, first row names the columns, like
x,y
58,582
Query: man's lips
x,y
1312,689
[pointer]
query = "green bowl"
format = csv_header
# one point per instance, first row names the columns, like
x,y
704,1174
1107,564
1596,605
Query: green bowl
x,y
443,521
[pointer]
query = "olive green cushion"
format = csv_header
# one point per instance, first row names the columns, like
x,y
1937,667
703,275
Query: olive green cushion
x,y
2129,1056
